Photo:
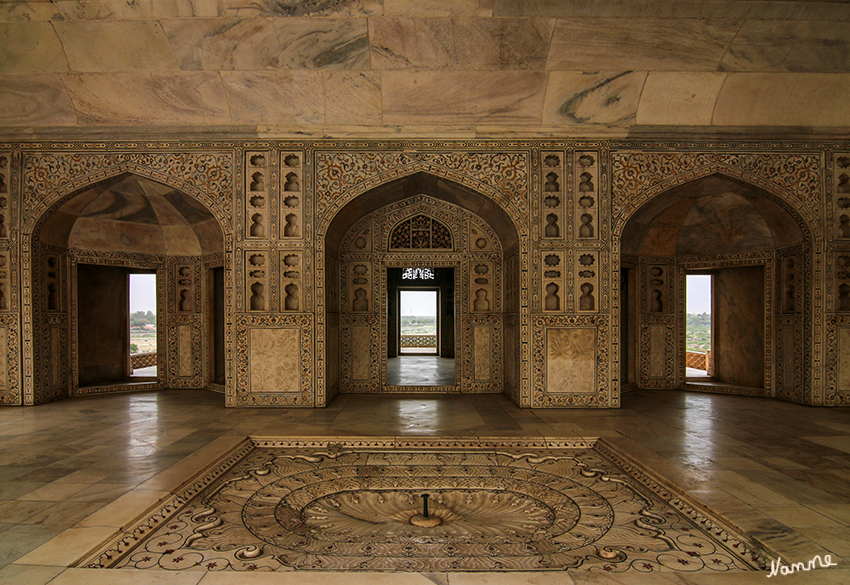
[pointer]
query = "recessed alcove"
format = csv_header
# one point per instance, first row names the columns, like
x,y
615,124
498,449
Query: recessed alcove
x,y
745,238
87,246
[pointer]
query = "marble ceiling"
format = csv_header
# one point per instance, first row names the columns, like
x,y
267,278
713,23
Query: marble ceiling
x,y
447,68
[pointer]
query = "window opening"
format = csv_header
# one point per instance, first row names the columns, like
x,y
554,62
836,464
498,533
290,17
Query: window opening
x,y
698,328
143,324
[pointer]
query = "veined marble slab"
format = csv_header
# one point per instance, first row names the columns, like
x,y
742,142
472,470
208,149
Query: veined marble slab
x,y
30,47
35,100
592,98
115,46
460,43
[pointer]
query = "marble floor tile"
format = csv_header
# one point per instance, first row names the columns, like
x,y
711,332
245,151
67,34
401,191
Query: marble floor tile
x,y
21,539
27,574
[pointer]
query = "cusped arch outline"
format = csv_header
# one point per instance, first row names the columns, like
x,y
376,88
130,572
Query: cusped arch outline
x,y
809,224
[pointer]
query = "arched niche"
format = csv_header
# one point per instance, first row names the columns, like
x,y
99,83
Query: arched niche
x,y
481,234
83,249
756,248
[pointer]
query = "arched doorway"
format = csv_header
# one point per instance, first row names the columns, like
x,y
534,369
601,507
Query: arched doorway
x,y
84,250
755,250
379,233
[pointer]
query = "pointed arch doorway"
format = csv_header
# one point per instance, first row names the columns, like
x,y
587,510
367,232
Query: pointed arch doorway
x,y
420,222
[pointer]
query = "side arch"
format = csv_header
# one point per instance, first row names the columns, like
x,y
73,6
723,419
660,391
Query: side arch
x,y
789,334
47,205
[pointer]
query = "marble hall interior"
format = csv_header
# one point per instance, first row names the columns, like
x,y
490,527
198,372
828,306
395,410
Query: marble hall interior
x,y
296,179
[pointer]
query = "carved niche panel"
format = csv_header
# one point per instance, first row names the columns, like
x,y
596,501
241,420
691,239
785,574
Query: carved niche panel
x,y
53,297
657,279
5,190
5,282
291,196
841,294
359,279
791,286
554,194
257,180
292,280
481,285
258,293
841,196
586,200
184,278
554,280
586,281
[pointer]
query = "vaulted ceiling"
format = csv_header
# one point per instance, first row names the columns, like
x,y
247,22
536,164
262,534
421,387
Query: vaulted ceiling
x,y
447,68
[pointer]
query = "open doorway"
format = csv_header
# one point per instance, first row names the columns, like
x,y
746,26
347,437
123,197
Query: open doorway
x,y
420,327
142,322
116,312
418,331
698,325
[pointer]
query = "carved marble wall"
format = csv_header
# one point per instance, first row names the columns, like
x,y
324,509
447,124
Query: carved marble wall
x,y
545,326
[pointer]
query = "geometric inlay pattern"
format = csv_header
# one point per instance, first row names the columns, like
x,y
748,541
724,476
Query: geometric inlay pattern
x,y
279,505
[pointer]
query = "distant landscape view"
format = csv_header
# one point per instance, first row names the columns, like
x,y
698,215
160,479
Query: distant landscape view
x,y
698,337
142,332
419,325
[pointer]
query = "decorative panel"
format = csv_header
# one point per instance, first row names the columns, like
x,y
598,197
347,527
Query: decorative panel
x,y
359,278
841,194
53,281
257,199
586,281
841,303
185,287
6,282
482,352
481,277
274,360
291,280
657,283
554,223
571,357
361,354
258,293
586,199
571,360
291,196
554,280
791,285
5,192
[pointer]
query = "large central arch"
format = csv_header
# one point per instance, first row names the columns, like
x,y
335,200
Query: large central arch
x,y
433,196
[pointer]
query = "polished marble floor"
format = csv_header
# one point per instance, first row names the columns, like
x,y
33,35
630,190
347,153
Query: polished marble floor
x,y
421,370
74,472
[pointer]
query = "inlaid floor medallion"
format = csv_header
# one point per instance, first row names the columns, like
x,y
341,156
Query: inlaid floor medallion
x,y
429,506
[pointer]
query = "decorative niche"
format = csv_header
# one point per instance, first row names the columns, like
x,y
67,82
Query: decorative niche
x,y
554,281
586,281
553,196
257,195
586,210
257,289
291,195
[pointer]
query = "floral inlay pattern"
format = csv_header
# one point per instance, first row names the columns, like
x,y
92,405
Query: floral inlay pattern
x,y
346,505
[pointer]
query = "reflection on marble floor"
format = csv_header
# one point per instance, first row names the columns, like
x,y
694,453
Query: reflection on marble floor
x,y
420,370
284,505
75,472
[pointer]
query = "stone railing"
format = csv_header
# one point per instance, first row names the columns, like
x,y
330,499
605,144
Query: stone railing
x,y
698,361
418,341
143,360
